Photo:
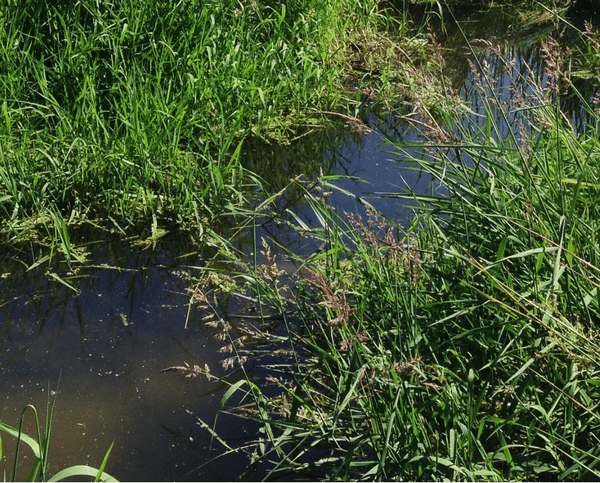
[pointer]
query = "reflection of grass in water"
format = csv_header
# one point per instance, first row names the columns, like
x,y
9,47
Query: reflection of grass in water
x,y
41,446
464,347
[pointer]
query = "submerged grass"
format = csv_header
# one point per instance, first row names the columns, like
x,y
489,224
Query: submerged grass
x,y
463,347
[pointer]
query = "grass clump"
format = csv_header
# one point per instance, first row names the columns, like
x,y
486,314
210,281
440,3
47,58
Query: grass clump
x,y
463,347
131,112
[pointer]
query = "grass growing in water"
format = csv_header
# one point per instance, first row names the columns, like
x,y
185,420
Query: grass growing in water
x,y
41,447
137,112
464,347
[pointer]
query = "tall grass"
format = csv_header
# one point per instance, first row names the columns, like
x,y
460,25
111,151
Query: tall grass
x,y
465,346
130,111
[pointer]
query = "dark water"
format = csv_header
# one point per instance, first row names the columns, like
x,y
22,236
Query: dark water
x,y
109,343
108,346
105,346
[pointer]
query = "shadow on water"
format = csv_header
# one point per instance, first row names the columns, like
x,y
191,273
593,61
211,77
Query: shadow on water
x,y
109,342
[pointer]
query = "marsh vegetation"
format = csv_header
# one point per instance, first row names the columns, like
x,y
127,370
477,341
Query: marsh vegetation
x,y
462,345
111,116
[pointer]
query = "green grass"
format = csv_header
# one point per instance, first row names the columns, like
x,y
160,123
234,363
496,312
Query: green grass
x,y
40,446
131,113
464,346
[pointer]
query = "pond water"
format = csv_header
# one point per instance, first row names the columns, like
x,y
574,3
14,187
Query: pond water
x,y
102,352
109,343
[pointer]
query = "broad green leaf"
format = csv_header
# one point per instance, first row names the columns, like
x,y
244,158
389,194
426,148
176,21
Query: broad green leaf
x,y
28,440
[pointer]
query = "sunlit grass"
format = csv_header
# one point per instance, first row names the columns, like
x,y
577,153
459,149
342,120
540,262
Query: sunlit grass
x,y
463,346
130,112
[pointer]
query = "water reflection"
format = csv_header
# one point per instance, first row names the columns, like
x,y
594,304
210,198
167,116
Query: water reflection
x,y
511,52
366,159
493,57
108,346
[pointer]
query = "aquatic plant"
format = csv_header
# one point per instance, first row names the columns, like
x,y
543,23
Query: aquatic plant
x,y
41,446
464,346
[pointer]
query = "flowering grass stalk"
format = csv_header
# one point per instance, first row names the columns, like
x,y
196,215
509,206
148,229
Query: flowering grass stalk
x,y
463,347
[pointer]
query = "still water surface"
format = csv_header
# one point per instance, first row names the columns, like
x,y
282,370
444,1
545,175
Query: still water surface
x,y
108,347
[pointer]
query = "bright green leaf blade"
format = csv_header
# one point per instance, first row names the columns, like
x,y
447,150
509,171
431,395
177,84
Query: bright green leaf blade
x,y
81,470
104,461
64,282
28,440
